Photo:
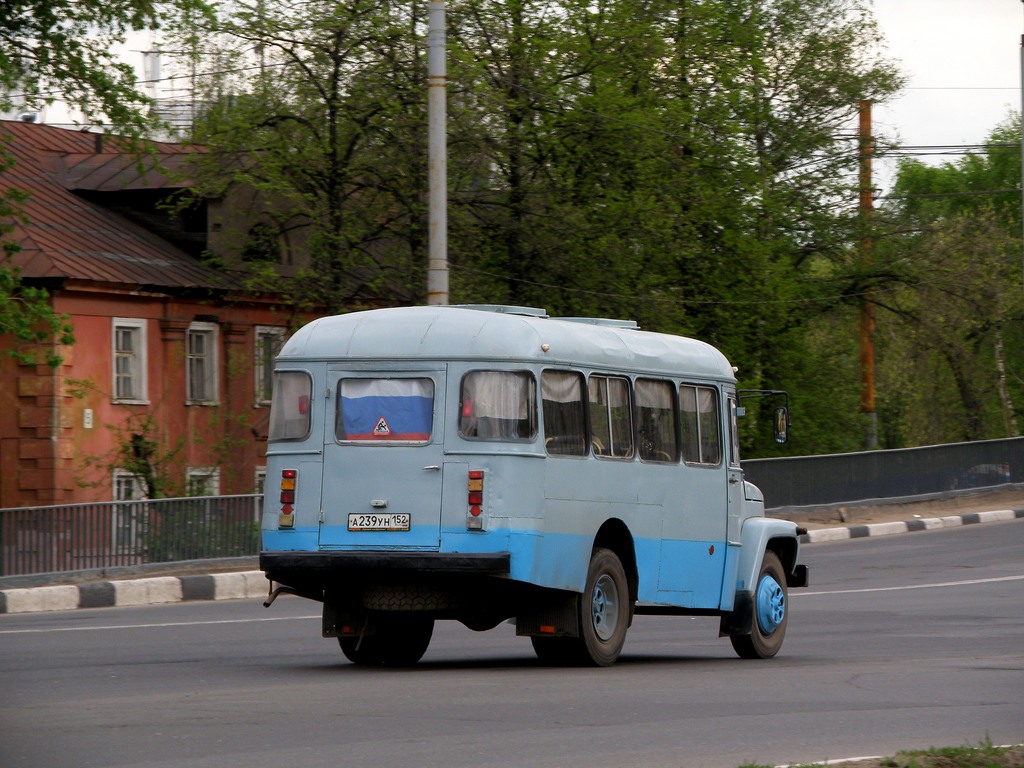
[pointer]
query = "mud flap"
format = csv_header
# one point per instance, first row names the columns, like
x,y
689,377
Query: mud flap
x,y
739,621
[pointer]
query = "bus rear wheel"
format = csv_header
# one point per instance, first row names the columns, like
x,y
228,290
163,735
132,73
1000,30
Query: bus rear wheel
x,y
603,618
604,609
399,641
771,613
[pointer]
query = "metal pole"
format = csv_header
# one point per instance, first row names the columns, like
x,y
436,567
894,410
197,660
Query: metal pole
x,y
1022,154
437,266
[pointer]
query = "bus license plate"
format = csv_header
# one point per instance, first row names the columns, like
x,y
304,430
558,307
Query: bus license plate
x,y
376,521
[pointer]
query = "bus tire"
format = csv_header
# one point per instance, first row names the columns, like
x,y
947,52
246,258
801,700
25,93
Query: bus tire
x,y
604,609
771,613
399,641
556,651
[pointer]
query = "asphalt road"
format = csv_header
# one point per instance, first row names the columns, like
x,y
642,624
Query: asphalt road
x,y
902,641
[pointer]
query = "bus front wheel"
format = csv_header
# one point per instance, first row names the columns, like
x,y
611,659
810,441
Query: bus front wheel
x,y
771,613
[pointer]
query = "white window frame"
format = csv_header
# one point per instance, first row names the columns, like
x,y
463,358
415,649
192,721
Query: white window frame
x,y
260,486
264,361
208,359
126,523
208,476
136,360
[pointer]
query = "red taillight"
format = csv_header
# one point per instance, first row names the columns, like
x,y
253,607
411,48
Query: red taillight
x,y
475,499
286,518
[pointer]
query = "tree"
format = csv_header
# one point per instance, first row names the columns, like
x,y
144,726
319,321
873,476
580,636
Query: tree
x,y
327,130
955,317
684,164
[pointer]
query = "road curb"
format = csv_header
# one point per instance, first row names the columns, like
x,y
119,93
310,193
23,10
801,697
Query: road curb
x,y
125,592
910,526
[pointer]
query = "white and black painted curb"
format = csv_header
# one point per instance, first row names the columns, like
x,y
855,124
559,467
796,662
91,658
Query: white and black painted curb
x,y
909,526
253,584
146,591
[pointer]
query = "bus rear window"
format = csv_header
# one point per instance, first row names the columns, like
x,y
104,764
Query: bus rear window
x,y
289,405
498,405
377,410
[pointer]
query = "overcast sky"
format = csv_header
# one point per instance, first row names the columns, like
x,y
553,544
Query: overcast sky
x,y
962,58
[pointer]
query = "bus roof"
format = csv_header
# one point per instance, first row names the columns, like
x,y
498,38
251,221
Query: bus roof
x,y
495,333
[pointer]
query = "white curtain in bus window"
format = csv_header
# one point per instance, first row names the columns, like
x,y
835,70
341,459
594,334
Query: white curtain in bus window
x,y
655,420
700,425
289,406
498,405
565,427
385,410
610,417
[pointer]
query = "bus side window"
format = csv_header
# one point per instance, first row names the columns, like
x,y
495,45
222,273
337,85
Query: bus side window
x,y
656,421
498,405
700,423
565,426
611,422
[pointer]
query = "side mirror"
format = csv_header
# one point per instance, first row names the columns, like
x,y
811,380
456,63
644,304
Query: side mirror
x,y
781,424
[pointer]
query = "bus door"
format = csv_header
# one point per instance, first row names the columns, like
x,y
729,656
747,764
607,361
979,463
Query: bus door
x,y
694,531
383,459
737,493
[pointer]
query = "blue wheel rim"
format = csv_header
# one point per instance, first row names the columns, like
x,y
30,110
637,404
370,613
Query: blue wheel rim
x,y
771,604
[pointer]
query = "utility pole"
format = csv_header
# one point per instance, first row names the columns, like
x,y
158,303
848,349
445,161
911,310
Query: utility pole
x,y
1022,153
867,306
437,82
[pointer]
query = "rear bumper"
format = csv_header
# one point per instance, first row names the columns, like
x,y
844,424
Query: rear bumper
x,y
276,564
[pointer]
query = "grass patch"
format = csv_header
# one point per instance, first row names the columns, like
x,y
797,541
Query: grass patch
x,y
982,756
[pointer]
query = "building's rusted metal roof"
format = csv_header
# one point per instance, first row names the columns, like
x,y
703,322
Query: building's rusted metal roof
x,y
65,236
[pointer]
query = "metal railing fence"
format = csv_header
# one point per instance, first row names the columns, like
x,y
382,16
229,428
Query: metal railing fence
x,y
909,472
78,537
35,540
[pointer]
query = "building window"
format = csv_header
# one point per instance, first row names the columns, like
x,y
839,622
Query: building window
x,y
269,340
261,484
201,369
129,360
202,481
126,520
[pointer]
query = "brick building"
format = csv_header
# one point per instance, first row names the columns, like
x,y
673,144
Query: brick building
x,y
171,360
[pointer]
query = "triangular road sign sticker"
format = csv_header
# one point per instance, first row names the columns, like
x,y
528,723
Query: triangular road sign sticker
x,y
382,429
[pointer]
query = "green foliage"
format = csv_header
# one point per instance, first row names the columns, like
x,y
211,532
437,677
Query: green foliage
x,y
54,50
685,165
140,450
192,530
328,133
951,324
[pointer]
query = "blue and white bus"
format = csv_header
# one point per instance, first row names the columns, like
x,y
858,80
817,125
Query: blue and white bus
x,y
488,463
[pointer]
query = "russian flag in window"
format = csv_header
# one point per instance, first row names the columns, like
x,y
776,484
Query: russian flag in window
x,y
386,409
